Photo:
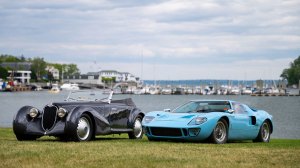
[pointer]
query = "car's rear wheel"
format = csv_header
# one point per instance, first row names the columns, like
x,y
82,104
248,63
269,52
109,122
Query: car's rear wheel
x,y
84,130
264,133
219,134
137,132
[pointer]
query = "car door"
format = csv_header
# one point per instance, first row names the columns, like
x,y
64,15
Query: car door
x,y
118,116
241,125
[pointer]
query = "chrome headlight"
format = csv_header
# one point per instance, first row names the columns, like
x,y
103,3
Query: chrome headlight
x,y
198,121
148,119
33,112
61,112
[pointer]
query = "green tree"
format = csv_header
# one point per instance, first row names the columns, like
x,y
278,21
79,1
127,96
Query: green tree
x,y
3,73
38,67
9,58
71,69
292,74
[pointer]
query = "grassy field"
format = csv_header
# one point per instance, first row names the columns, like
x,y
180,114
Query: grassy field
x,y
119,151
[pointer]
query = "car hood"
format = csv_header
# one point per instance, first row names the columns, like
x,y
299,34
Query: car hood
x,y
167,116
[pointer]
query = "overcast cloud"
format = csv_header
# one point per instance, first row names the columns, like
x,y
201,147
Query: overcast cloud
x,y
167,39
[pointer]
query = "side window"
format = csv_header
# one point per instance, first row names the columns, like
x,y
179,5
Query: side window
x,y
239,109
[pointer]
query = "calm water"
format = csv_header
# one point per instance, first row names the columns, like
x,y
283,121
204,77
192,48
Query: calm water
x,y
285,110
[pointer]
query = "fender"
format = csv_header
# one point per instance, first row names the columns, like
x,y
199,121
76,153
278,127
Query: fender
x,y
101,125
134,113
21,121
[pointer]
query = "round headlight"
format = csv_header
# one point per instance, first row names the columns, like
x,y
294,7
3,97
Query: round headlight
x,y
33,112
61,112
200,120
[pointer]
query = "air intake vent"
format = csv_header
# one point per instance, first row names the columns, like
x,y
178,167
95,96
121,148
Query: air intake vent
x,y
49,117
175,132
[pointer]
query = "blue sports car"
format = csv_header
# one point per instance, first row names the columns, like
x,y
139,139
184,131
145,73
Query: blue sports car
x,y
215,120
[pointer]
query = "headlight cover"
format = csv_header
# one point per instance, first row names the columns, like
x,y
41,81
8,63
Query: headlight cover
x,y
148,119
33,112
61,112
198,121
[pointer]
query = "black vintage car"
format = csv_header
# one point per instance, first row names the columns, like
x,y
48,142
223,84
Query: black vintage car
x,y
80,118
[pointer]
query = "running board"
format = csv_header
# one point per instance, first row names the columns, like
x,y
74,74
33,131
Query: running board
x,y
120,130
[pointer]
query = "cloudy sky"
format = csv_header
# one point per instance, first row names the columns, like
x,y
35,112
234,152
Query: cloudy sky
x,y
157,39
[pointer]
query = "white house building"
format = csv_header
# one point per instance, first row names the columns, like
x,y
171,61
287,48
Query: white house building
x,y
54,71
96,77
20,76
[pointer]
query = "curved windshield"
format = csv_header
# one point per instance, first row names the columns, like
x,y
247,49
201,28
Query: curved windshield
x,y
90,95
203,107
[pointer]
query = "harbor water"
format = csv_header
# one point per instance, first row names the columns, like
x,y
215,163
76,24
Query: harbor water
x,y
285,109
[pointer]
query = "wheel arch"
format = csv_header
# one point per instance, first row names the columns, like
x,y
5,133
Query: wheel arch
x,y
270,123
93,122
227,121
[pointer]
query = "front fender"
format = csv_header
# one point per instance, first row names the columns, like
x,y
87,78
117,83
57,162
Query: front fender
x,y
100,123
23,124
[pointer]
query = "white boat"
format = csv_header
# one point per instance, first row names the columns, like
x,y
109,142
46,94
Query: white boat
x,y
235,91
70,86
166,91
247,90
54,89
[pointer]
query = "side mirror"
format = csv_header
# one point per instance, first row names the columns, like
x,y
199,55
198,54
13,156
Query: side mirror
x,y
230,111
167,110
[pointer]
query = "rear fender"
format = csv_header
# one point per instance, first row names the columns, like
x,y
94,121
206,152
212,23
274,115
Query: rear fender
x,y
135,113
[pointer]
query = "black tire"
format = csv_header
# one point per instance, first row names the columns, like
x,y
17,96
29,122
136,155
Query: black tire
x,y
26,137
264,133
84,130
219,134
137,132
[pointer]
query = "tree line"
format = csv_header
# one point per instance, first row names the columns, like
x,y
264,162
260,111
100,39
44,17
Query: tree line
x,y
38,67
292,74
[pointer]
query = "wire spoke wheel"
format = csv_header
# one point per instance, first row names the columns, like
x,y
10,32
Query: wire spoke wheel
x,y
219,134
220,131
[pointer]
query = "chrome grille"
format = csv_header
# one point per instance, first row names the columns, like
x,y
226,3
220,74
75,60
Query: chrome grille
x,y
49,117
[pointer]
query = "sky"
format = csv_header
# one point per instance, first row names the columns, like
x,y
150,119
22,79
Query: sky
x,y
157,39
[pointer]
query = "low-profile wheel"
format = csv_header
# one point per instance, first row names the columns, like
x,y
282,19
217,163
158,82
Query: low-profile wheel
x,y
264,133
26,137
84,130
219,134
137,132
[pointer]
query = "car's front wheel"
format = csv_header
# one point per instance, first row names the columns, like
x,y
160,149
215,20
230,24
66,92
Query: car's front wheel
x,y
137,132
84,130
219,134
264,133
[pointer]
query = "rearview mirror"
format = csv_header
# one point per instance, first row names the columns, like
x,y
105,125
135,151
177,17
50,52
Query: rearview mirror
x,y
230,111
167,110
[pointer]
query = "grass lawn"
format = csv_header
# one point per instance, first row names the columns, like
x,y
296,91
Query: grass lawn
x,y
119,151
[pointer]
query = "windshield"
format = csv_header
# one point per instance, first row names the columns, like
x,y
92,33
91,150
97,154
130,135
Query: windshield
x,y
90,95
203,107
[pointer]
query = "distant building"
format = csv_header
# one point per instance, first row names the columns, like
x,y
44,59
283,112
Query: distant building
x,y
18,71
20,76
96,77
53,71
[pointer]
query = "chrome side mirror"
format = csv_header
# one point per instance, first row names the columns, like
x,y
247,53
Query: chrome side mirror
x,y
167,110
230,111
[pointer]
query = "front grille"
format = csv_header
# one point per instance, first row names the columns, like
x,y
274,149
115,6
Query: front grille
x,y
158,131
49,117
